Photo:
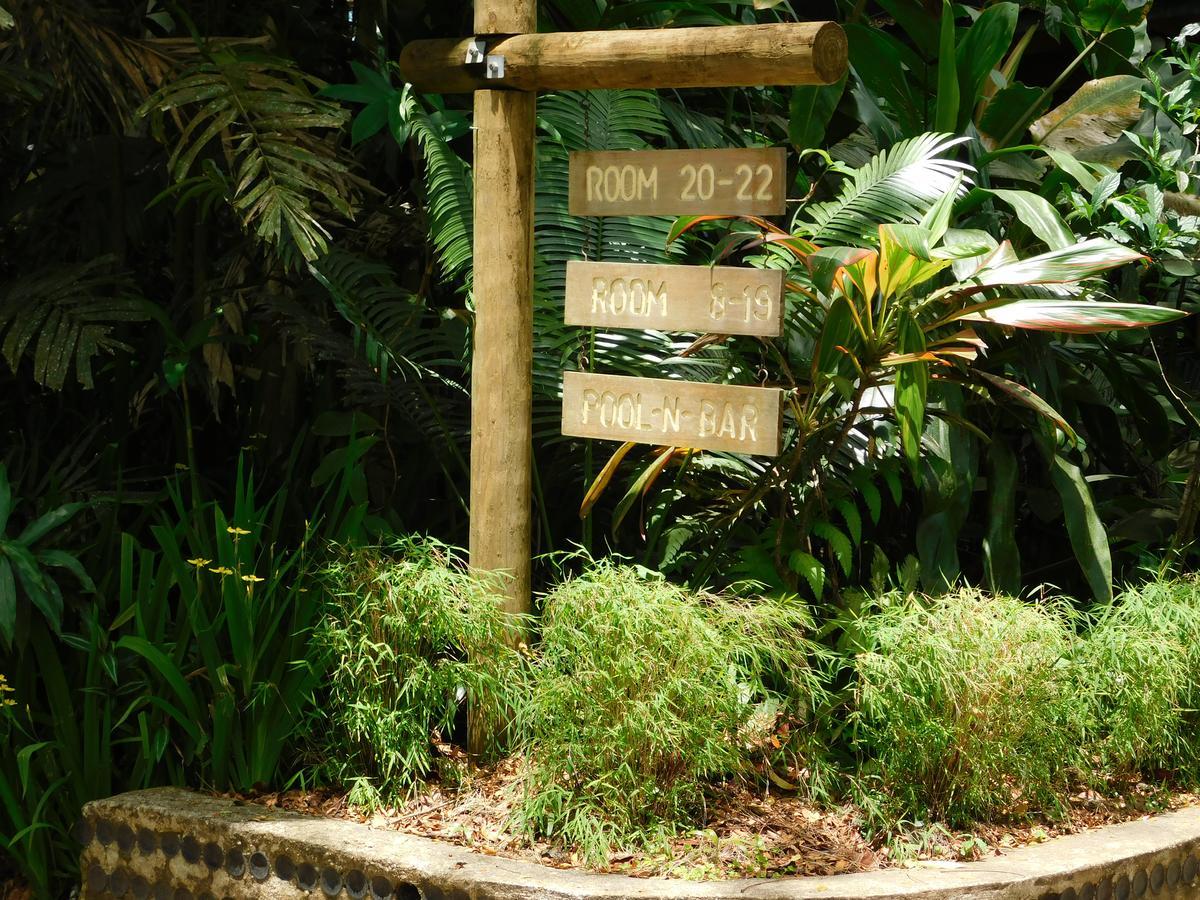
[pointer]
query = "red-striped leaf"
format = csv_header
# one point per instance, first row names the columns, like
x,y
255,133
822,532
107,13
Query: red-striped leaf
x,y
1068,264
1075,316
1024,395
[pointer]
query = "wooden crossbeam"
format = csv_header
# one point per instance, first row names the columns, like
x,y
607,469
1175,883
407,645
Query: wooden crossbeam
x,y
780,54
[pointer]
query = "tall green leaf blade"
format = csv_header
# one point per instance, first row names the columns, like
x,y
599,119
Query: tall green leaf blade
x,y
981,51
1088,537
912,386
809,112
1001,556
946,109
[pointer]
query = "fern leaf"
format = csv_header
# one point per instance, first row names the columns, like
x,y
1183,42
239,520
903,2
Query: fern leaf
x,y
67,314
260,116
899,184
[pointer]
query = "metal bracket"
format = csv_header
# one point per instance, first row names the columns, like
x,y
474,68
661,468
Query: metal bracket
x,y
495,66
476,51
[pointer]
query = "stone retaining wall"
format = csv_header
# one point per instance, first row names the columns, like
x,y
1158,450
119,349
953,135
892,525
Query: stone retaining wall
x,y
169,844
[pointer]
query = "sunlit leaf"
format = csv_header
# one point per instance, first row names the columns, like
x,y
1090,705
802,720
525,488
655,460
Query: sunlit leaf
x,y
1075,316
1058,266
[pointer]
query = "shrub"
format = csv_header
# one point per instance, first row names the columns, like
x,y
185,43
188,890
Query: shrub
x,y
964,705
1138,671
643,690
410,635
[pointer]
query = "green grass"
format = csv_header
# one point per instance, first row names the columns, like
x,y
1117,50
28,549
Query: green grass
x,y
410,637
964,706
642,692
1138,674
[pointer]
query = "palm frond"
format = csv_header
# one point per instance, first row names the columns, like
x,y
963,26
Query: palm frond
x,y
282,169
899,184
67,315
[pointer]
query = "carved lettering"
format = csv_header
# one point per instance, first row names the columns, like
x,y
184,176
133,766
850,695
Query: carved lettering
x,y
675,413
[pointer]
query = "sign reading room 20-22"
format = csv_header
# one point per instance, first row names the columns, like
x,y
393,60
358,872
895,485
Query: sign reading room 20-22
x,y
678,182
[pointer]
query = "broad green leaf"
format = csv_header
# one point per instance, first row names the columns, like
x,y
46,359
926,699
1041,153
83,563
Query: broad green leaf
x,y
808,566
42,592
937,548
811,108
1010,109
1088,538
879,60
1024,395
1072,167
918,22
63,560
968,248
946,108
912,385
937,219
1094,116
1039,216
369,121
1075,316
1001,556
43,525
981,51
904,260
1068,264
826,264
834,341
1104,16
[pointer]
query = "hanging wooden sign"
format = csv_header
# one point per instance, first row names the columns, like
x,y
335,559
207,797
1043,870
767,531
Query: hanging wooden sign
x,y
705,299
664,411
678,182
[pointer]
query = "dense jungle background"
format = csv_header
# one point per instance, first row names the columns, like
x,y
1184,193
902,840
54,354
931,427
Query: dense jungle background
x,y
235,326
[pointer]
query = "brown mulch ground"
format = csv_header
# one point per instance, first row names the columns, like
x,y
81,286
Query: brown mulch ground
x,y
748,833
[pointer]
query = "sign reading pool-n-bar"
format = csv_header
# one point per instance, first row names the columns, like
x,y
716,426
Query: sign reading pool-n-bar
x,y
678,182
727,417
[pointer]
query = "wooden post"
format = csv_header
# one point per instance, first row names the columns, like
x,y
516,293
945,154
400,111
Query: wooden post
x,y
502,361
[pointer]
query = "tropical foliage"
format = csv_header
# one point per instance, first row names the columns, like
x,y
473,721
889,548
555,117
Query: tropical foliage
x,y
235,326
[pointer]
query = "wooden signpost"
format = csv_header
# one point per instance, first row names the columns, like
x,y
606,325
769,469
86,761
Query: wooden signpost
x,y
505,64
704,299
